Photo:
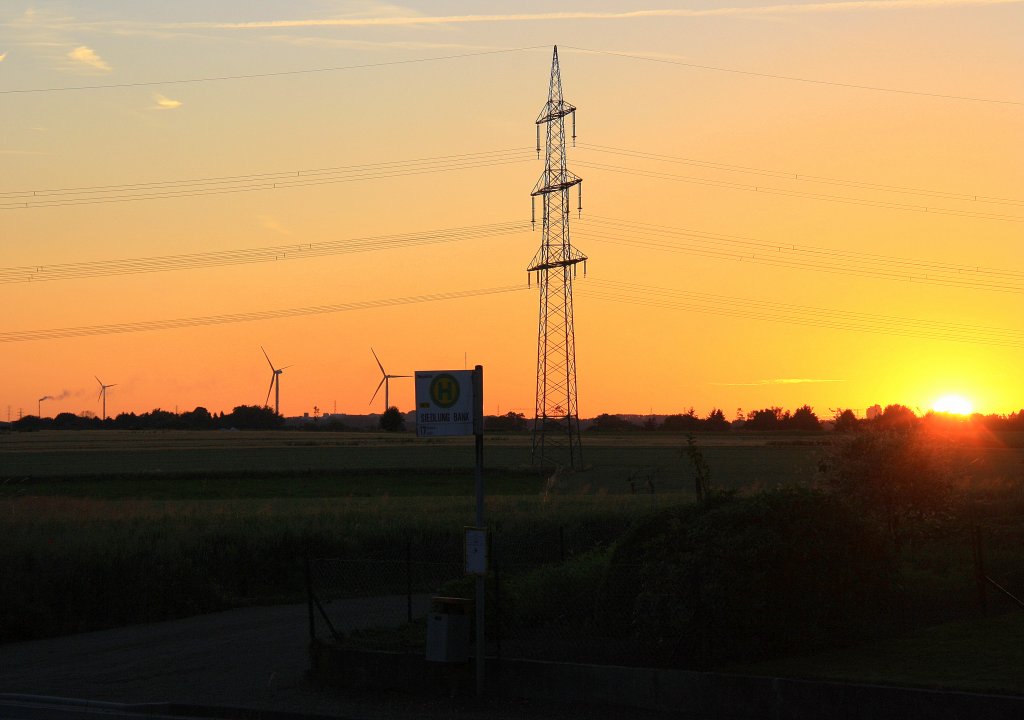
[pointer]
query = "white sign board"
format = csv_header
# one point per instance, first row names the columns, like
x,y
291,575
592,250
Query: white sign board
x,y
476,551
444,403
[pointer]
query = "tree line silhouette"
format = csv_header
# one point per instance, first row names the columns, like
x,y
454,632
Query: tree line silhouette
x,y
769,419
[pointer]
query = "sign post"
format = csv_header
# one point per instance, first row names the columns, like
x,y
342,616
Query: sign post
x,y
451,402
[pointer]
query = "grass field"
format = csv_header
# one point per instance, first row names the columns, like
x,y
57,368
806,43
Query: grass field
x,y
107,528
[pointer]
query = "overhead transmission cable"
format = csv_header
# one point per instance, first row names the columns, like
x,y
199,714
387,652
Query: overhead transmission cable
x,y
441,58
122,192
663,238
279,73
799,193
615,231
610,290
803,177
793,78
149,325
128,192
244,256
759,309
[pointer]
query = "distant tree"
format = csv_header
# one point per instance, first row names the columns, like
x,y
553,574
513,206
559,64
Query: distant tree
x,y
70,421
803,419
29,423
845,421
765,419
685,422
392,420
896,417
198,419
253,417
611,423
509,421
716,422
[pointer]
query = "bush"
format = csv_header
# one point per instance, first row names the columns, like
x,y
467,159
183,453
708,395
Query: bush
x,y
737,579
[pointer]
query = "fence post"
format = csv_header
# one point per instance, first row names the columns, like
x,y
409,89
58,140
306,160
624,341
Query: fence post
x,y
979,569
497,594
309,600
408,578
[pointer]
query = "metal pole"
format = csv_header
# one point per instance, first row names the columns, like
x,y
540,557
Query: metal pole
x,y
478,431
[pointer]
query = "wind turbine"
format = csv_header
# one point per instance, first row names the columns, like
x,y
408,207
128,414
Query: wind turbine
x,y
275,383
384,381
103,394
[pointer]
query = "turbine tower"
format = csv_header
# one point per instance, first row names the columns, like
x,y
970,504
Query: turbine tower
x,y
103,394
556,425
275,383
385,381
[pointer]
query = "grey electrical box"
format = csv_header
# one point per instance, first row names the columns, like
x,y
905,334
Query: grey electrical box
x,y
448,626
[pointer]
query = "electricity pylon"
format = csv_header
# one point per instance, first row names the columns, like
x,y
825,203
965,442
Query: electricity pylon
x,y
556,425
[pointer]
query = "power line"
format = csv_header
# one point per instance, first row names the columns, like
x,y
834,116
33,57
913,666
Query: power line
x,y
615,231
280,73
244,256
759,309
801,194
741,249
599,289
130,192
791,78
151,325
803,177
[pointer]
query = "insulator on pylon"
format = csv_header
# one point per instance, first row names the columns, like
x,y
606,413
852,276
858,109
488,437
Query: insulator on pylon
x,y
584,268
573,132
529,279
533,212
538,142
579,199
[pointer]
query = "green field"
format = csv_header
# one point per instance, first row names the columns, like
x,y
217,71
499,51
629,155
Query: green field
x,y
107,528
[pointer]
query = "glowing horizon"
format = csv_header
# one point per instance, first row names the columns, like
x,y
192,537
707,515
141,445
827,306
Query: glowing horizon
x,y
753,241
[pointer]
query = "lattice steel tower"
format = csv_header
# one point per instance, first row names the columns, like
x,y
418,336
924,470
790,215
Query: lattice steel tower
x,y
556,425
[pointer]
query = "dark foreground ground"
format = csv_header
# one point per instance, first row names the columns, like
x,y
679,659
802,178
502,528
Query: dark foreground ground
x,y
254,658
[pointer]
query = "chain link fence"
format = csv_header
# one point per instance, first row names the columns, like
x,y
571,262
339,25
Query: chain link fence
x,y
555,594
544,595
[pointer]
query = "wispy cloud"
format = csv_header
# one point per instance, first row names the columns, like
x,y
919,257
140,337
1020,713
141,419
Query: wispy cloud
x,y
87,56
273,224
165,103
781,9
778,381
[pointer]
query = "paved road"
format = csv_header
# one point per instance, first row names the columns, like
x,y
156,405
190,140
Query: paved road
x,y
246,658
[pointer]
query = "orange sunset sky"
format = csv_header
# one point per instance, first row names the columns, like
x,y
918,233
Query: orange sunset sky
x,y
807,202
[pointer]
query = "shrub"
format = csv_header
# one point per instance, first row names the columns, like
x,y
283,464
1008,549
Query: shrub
x,y
735,579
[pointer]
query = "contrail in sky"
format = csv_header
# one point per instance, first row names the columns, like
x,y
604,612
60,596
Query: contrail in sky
x,y
782,9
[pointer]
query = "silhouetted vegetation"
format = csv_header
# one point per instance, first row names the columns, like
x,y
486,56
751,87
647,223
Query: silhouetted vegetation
x,y
734,579
243,417
392,420
508,421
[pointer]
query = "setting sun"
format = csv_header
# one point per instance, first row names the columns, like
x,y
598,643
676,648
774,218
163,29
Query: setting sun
x,y
953,404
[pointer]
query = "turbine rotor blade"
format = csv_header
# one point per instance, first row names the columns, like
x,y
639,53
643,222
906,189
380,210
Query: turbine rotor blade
x,y
382,381
394,376
269,390
268,359
382,371
98,380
